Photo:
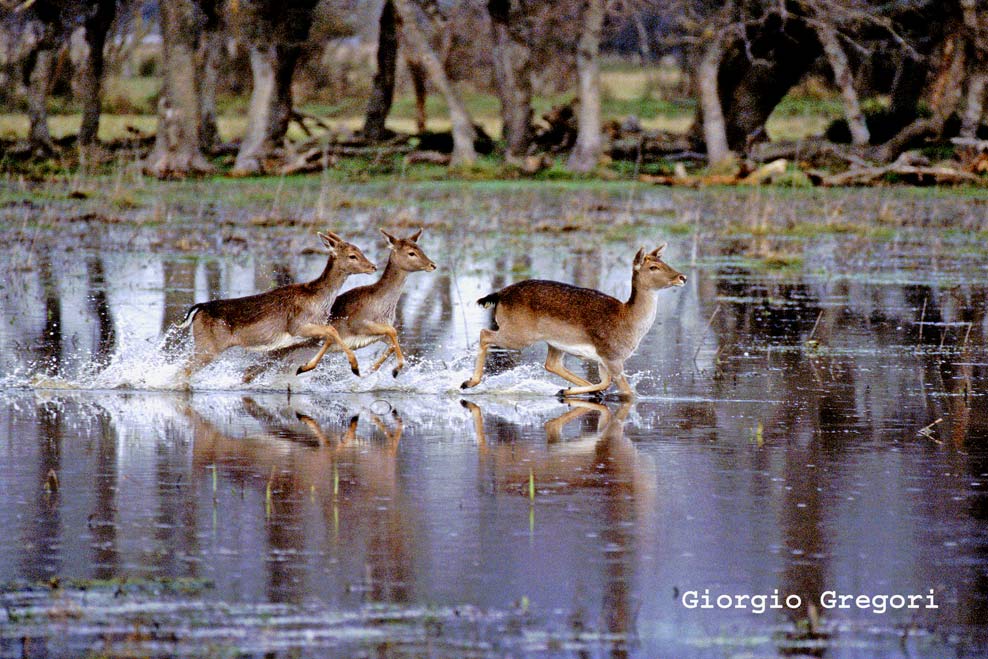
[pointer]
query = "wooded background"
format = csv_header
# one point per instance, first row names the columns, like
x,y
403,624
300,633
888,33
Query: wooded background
x,y
907,73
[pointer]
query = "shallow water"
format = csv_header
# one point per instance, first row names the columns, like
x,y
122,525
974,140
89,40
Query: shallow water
x,y
816,429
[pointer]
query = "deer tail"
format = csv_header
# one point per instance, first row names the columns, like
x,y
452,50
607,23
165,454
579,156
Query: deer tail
x,y
190,315
489,300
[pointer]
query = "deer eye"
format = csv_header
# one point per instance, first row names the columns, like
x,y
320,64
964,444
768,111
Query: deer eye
x,y
654,268
412,254
353,258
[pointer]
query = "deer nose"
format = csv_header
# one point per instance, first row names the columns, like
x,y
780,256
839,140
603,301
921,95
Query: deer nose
x,y
682,279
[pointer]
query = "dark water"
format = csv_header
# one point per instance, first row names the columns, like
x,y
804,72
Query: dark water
x,y
798,432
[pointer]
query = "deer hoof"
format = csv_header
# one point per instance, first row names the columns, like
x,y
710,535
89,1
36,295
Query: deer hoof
x,y
300,370
561,395
466,384
395,372
597,397
355,371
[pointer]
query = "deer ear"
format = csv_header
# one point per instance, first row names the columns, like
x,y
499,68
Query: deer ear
x,y
639,259
657,252
415,236
391,239
330,240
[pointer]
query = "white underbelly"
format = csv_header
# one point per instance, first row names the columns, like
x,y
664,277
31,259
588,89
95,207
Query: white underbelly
x,y
361,340
283,340
583,350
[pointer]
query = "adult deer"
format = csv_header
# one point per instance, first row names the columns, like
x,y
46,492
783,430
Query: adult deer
x,y
280,317
578,321
366,314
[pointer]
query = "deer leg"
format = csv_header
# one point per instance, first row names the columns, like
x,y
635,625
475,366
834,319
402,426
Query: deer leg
x,y
382,358
314,427
388,331
486,339
605,382
200,359
392,437
269,358
627,393
478,423
554,364
351,430
554,427
330,336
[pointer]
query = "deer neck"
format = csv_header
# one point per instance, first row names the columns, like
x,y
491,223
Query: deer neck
x,y
640,308
332,277
392,279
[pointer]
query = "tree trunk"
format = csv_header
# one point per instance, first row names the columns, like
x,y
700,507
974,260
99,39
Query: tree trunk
x,y
463,132
757,72
270,109
844,79
37,78
208,61
382,94
176,148
91,76
974,109
589,139
644,48
944,97
714,128
512,77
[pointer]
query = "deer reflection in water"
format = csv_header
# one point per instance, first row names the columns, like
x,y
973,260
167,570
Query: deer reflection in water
x,y
345,472
600,460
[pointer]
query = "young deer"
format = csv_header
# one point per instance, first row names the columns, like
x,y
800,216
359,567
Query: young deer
x,y
578,321
280,317
366,314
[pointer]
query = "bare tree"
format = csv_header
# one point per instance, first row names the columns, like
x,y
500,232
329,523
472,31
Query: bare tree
x,y
589,141
950,70
99,18
276,32
37,78
844,79
207,63
512,32
463,131
41,27
719,154
177,145
382,93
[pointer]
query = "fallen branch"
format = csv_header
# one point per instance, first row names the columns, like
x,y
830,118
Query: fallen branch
x,y
763,174
428,157
908,166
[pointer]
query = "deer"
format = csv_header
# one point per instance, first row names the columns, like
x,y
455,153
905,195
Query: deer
x,y
578,321
281,317
365,315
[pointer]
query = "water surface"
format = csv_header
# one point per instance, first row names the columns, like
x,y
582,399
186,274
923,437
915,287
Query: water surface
x,y
799,430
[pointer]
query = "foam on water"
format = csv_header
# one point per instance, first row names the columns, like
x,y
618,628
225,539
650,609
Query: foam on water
x,y
159,367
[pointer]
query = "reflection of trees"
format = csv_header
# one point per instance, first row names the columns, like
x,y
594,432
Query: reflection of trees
x,y
105,553
179,290
600,459
106,338
49,348
41,557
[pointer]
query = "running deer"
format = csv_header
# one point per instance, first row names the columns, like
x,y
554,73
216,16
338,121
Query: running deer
x,y
578,321
280,317
366,314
